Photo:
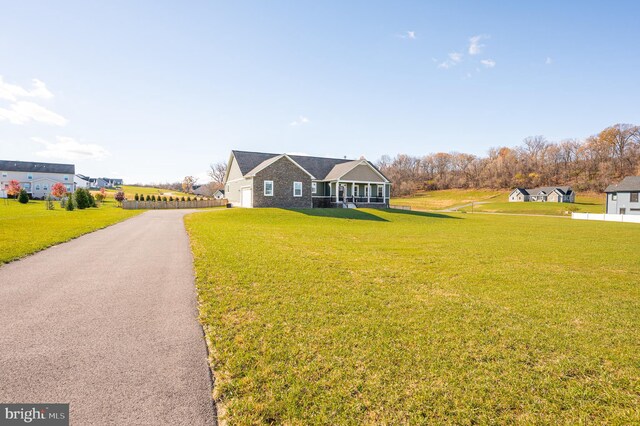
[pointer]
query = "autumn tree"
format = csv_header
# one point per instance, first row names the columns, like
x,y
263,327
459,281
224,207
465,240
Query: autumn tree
x,y
14,188
187,184
58,190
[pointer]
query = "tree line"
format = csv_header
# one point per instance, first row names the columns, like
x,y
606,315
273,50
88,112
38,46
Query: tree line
x,y
587,165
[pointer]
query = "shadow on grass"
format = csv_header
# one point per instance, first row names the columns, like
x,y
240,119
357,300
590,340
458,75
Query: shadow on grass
x,y
423,214
340,214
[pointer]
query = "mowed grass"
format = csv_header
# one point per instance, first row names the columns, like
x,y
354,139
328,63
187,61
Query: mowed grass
x,y
585,203
444,199
353,317
27,228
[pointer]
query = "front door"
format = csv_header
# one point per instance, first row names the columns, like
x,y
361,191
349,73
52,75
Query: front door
x,y
623,211
246,197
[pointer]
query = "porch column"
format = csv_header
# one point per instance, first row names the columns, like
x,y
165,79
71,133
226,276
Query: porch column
x,y
368,192
337,191
353,194
384,193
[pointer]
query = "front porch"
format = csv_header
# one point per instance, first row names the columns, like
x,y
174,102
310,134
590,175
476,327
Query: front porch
x,y
360,194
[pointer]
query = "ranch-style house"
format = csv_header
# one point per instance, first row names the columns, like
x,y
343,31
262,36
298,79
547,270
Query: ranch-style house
x,y
624,198
258,179
545,194
36,178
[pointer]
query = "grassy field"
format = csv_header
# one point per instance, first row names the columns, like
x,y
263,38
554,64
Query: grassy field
x,y
444,199
27,228
585,203
385,317
497,202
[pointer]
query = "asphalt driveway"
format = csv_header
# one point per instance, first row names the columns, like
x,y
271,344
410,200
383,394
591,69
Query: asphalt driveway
x,y
108,323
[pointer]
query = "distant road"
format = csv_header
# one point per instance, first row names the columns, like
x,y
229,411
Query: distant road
x,y
108,322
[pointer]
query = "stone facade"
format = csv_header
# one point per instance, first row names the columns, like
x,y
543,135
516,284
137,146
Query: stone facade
x,y
283,173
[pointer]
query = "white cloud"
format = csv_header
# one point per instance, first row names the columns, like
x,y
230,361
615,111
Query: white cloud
x,y
454,59
300,121
69,149
12,92
475,47
489,63
22,112
548,61
411,35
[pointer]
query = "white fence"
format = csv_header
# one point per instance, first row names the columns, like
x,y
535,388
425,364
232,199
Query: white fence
x,y
607,217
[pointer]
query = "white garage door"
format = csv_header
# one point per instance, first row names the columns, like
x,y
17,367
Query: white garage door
x,y
246,197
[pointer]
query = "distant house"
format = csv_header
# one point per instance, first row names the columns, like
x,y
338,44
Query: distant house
x,y
623,197
258,179
219,194
36,178
81,181
104,182
549,194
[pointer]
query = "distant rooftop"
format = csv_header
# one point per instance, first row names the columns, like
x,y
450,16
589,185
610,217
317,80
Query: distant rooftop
x,y
35,167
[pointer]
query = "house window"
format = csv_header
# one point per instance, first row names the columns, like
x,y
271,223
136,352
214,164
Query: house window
x,y
68,187
314,188
297,189
66,178
268,188
4,174
634,197
356,190
614,196
366,191
380,191
27,186
45,187
29,176
37,187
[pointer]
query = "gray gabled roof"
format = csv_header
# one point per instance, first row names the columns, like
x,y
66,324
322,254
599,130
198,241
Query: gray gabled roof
x,y
549,189
319,167
34,167
521,190
628,184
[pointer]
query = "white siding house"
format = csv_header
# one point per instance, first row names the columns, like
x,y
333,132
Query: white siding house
x,y
36,178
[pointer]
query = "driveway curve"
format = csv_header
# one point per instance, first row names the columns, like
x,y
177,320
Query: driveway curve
x,y
108,322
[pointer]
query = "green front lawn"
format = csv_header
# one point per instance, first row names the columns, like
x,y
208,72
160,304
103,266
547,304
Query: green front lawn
x,y
27,228
385,317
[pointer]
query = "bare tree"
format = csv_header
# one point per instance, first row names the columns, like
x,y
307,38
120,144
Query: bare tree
x,y
217,172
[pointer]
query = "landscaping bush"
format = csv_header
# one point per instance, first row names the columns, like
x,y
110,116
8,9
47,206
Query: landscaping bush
x,y
136,197
164,198
171,198
188,198
148,197
183,198
82,199
153,198
23,197
68,206
119,197
49,203
92,200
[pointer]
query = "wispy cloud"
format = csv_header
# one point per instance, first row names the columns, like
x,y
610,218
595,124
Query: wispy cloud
x,y
300,121
411,35
489,63
22,112
475,45
454,59
12,92
548,61
65,148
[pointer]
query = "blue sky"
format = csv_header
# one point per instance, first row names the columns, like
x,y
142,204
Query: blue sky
x,y
154,91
